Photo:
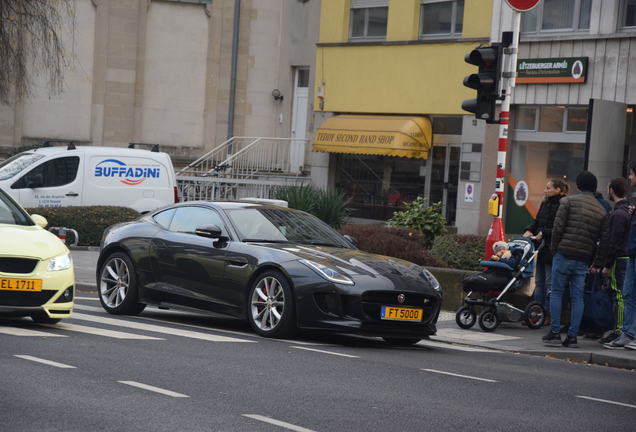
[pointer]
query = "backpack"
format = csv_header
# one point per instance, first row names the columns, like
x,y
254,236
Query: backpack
x,y
598,313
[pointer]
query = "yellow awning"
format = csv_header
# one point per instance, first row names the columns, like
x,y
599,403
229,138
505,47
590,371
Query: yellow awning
x,y
375,135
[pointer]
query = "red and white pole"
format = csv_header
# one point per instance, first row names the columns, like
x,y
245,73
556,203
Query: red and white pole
x,y
496,232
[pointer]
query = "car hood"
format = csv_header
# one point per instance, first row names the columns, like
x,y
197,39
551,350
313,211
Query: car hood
x,y
29,241
352,261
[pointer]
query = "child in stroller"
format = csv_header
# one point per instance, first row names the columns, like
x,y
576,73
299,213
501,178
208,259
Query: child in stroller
x,y
508,269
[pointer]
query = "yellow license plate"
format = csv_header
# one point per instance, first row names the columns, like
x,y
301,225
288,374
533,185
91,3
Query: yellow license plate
x,y
401,313
20,284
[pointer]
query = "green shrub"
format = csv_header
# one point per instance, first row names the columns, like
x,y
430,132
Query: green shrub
x,y
460,251
89,222
419,216
327,205
395,242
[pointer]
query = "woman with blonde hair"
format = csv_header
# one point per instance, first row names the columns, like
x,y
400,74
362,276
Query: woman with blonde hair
x,y
541,229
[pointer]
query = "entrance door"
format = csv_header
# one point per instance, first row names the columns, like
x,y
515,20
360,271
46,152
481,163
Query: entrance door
x,y
299,118
444,162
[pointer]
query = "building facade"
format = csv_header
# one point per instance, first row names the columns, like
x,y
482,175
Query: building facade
x,y
574,101
185,74
387,102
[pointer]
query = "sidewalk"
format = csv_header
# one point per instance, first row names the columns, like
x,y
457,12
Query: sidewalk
x,y
511,337
514,337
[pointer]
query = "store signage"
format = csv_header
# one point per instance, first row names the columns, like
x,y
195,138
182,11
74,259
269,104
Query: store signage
x,y
568,70
521,193
469,193
522,5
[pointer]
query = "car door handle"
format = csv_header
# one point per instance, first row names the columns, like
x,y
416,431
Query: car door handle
x,y
72,194
237,262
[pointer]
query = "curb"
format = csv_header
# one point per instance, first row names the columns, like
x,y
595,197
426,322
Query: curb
x,y
84,248
86,287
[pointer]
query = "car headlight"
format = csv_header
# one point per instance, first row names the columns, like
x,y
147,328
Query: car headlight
x,y
431,279
328,273
62,262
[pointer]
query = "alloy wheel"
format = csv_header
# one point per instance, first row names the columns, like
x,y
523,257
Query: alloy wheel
x,y
114,282
267,303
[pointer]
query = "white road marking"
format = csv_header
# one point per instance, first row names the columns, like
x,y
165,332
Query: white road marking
x,y
474,336
446,316
86,298
154,389
433,344
607,401
46,362
19,331
157,329
458,375
101,332
325,352
277,423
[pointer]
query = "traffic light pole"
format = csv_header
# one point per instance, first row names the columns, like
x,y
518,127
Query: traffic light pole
x,y
496,232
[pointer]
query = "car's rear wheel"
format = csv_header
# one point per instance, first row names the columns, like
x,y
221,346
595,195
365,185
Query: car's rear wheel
x,y
270,308
117,285
401,342
43,318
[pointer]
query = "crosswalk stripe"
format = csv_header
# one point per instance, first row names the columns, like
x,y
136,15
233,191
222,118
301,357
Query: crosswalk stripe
x,y
157,329
44,361
154,389
101,332
19,331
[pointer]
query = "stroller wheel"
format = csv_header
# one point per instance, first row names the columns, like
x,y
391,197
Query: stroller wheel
x,y
488,320
535,314
465,317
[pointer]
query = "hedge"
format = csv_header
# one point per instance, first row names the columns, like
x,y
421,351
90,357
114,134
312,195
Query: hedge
x,y
460,251
89,221
403,243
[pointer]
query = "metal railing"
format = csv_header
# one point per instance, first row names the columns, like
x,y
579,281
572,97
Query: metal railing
x,y
244,167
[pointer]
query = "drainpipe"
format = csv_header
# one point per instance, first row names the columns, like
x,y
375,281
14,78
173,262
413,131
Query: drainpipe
x,y
235,46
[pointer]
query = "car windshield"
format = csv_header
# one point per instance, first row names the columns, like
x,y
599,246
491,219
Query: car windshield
x,y
12,214
284,226
17,163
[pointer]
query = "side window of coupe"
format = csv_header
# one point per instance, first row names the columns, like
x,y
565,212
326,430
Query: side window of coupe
x,y
188,219
164,218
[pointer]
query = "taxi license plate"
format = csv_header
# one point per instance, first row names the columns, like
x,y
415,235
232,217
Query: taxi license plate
x,y
401,313
7,284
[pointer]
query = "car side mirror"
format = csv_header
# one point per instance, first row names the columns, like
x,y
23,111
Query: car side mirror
x,y
351,240
39,220
35,182
210,231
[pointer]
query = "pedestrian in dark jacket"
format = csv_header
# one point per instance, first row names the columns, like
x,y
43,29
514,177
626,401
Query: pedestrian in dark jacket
x,y
628,331
579,227
541,229
617,256
603,201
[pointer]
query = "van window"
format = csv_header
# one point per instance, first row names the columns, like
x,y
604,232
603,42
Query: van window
x,y
17,163
56,172
188,219
164,218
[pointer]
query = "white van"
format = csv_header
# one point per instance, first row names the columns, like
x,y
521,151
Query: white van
x,y
88,175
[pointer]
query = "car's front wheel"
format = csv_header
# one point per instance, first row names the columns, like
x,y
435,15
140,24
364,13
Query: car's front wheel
x,y
270,309
117,285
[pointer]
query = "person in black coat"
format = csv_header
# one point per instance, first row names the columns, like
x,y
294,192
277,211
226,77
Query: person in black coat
x,y
541,229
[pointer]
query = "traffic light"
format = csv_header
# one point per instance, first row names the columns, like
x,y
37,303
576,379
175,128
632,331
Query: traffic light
x,y
485,81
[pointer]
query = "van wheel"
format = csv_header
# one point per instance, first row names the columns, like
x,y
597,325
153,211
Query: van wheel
x,y
117,286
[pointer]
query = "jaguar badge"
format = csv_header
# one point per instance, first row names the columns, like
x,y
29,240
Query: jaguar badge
x,y
401,298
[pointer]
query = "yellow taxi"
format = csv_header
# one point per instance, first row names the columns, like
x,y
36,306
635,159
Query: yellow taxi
x,y
36,270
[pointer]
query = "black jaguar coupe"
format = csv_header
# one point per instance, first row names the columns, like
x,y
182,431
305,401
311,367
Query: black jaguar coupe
x,y
281,269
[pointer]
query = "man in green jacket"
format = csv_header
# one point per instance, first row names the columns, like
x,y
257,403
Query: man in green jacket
x,y
579,227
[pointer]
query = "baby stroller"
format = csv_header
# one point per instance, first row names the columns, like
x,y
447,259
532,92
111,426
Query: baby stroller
x,y
498,280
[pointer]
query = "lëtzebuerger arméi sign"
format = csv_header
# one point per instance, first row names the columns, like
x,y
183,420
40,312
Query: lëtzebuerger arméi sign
x,y
568,70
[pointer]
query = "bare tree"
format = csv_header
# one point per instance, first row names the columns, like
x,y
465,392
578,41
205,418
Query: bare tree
x,y
30,43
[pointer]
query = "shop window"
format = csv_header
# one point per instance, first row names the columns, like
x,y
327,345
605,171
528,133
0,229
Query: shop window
x,y
557,15
441,17
628,13
368,19
447,125
577,119
525,118
551,119
470,165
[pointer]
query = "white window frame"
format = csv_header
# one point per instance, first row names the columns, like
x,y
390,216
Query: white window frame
x,y
452,32
574,24
366,6
623,17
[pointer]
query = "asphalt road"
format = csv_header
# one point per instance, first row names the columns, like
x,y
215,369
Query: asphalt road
x,y
169,371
